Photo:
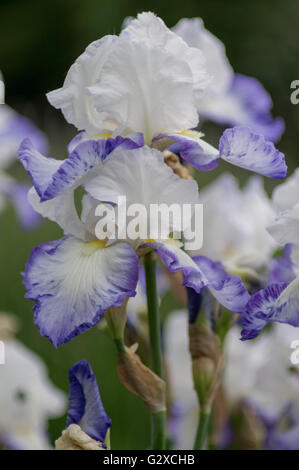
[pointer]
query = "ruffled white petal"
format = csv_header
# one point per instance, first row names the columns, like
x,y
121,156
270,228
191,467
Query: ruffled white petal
x,y
145,89
218,67
72,99
148,25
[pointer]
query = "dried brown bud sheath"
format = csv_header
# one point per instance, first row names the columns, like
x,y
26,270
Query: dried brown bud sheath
x,y
141,381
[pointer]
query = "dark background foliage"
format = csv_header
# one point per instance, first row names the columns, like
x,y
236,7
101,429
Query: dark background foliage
x,y
39,42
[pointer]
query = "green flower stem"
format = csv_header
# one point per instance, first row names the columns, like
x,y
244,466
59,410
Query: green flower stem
x,y
158,419
120,345
202,429
158,430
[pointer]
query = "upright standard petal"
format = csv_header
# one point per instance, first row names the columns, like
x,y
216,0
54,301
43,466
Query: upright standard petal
x,y
85,405
193,32
73,283
72,98
145,89
242,147
150,27
146,80
227,289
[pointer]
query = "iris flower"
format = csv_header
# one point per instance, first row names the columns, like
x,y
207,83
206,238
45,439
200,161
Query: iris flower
x,y
74,280
148,80
13,129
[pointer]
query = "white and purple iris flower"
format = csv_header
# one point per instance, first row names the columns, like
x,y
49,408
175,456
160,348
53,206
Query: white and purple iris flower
x,y
230,99
13,129
279,301
85,407
149,80
74,280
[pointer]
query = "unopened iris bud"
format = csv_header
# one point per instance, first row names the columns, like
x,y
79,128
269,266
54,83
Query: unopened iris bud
x,y
206,361
74,438
116,319
141,381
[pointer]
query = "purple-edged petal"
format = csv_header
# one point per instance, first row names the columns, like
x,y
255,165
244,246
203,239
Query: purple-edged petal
x,y
13,129
263,308
73,283
85,405
257,103
227,289
282,269
28,217
175,260
135,140
39,168
242,147
52,177
244,103
191,147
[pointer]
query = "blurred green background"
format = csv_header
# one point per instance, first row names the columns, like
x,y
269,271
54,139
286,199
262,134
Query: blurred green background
x,y
39,42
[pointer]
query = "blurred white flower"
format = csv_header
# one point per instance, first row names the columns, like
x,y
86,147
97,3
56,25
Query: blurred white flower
x,y
27,399
180,377
230,99
259,371
235,222
285,228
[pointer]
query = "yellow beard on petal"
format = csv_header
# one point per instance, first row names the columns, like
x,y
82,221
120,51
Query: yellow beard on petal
x,y
192,134
91,247
105,135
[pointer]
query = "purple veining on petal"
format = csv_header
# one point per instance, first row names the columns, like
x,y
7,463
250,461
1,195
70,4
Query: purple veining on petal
x,y
260,310
242,147
60,317
85,405
282,268
193,277
227,289
192,151
51,177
